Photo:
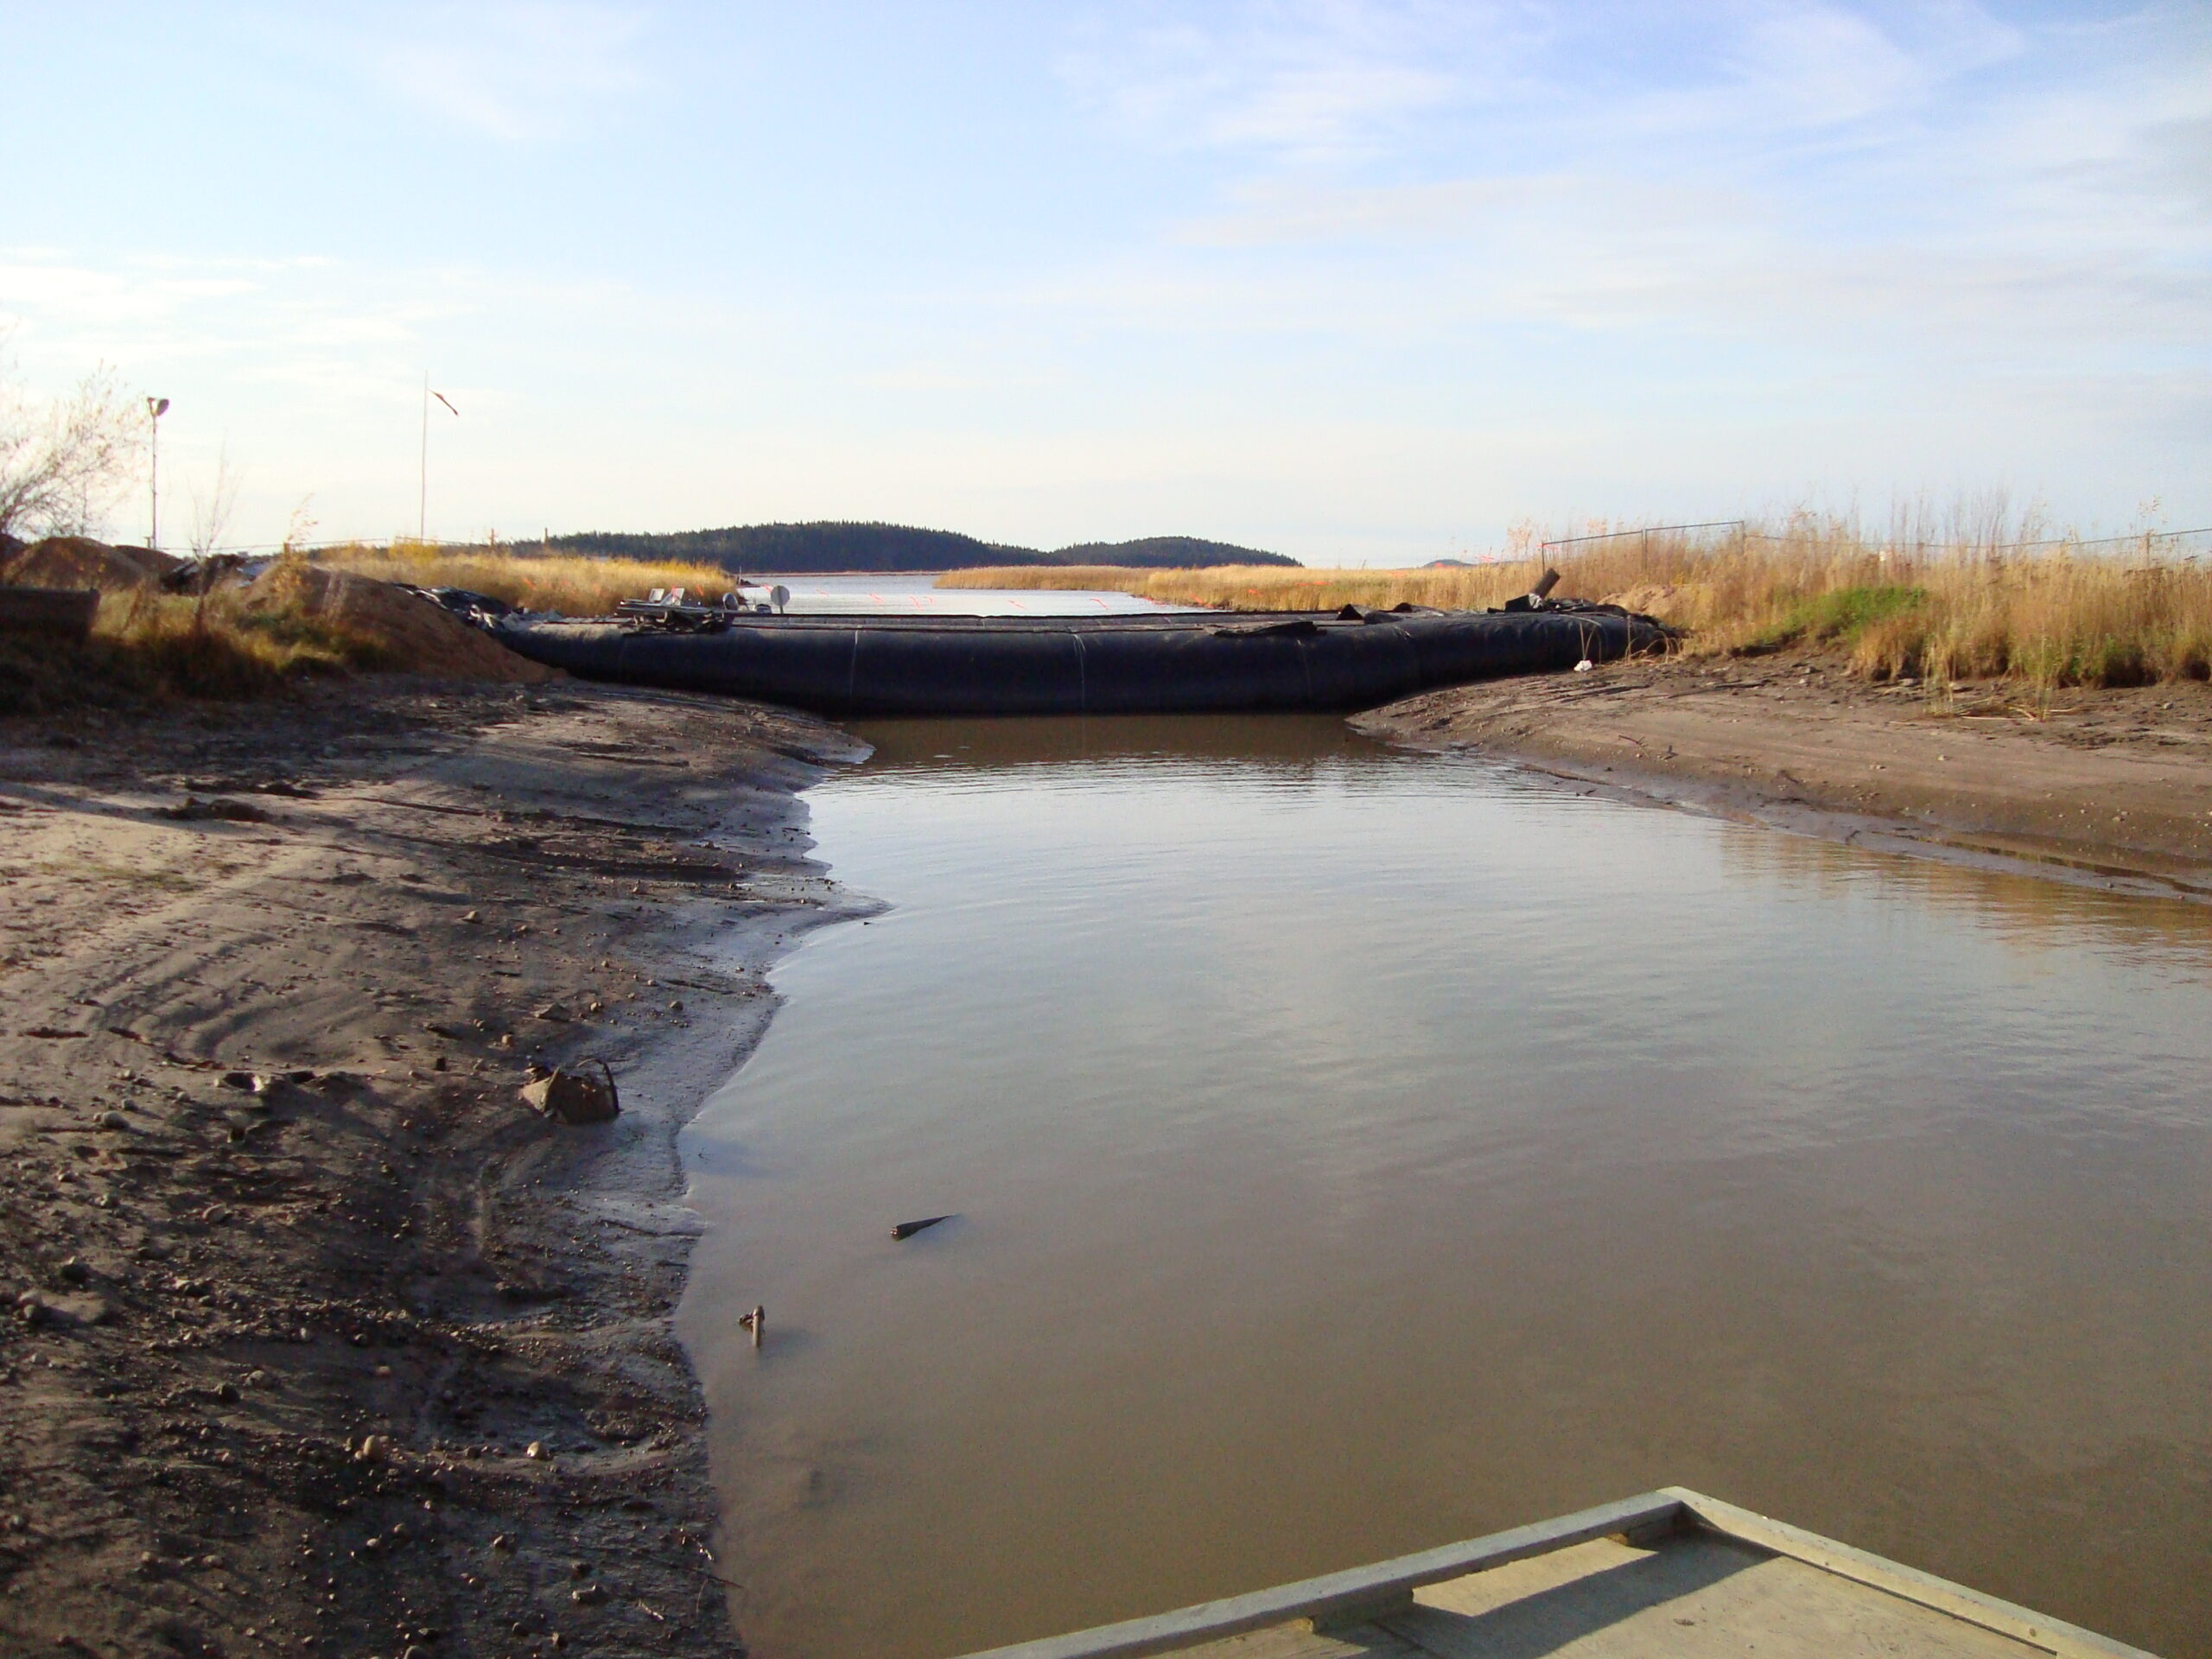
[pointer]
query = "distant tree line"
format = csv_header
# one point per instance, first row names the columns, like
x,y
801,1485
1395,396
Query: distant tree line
x,y
836,546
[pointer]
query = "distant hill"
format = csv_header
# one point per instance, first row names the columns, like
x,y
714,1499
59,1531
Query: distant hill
x,y
804,547
835,546
1165,553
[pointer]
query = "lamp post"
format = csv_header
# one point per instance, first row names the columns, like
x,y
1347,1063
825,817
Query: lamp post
x,y
422,476
156,407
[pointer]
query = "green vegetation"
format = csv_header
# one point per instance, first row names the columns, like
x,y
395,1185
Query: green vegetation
x,y
1841,613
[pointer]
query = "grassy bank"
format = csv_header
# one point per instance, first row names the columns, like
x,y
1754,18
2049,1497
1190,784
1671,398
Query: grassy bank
x,y
2052,616
147,647
573,585
297,618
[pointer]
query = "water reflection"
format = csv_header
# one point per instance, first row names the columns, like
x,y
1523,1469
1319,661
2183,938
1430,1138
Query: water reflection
x,y
1256,745
2039,915
1357,1151
910,594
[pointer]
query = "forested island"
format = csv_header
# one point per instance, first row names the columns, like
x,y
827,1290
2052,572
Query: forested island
x,y
778,549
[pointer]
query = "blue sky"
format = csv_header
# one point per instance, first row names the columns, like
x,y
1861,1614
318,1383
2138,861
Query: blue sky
x,y
1359,281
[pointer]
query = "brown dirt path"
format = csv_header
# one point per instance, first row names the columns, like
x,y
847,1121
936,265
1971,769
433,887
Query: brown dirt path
x,y
215,1298
2104,785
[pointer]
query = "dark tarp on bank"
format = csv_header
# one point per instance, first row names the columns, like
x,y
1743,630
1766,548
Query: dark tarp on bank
x,y
1207,662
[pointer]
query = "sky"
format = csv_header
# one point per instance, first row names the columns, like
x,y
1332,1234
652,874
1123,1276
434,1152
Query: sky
x,y
1360,283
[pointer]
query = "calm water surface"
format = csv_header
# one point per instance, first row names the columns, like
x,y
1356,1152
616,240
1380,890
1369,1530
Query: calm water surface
x,y
1354,1151
916,594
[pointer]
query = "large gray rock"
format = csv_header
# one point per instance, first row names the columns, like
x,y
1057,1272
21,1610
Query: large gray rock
x,y
574,1096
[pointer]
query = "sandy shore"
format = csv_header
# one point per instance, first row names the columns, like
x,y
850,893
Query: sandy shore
x,y
376,1361
2110,787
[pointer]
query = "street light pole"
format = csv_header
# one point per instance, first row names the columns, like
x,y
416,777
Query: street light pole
x,y
156,407
422,475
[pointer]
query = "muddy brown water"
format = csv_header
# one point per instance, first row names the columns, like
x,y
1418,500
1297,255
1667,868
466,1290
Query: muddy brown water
x,y
1353,1151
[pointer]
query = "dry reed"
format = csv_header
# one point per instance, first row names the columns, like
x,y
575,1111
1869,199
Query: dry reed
x,y
573,586
1977,607
150,646
215,645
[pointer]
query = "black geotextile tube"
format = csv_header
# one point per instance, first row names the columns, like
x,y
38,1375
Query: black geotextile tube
x,y
1095,665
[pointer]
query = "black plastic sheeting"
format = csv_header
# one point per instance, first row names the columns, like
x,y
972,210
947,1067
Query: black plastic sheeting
x,y
1177,663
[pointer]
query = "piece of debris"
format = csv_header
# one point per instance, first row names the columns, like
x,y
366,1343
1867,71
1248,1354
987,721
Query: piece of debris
x,y
220,807
554,1014
908,1229
574,1097
756,1322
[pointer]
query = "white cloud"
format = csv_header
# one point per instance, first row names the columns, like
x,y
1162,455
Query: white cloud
x,y
1816,66
2060,213
520,70
1326,79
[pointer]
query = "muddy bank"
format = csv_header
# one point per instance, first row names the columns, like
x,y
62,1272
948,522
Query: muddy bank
x,y
2111,786
374,1361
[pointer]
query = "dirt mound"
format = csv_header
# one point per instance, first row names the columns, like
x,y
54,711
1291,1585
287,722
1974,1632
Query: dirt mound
x,y
411,633
1680,603
79,561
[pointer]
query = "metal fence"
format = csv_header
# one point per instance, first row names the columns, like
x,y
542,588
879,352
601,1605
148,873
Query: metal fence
x,y
2152,543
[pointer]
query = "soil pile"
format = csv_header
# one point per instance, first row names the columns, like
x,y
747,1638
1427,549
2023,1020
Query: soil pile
x,y
1668,601
79,561
407,633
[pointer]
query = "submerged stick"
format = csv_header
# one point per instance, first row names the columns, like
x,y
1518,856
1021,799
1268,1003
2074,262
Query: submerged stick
x,y
908,1229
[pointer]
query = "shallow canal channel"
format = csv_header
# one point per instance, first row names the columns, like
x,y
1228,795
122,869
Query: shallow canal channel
x,y
1352,1151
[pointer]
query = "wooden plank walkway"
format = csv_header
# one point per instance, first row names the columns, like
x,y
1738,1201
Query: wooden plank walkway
x,y
1672,1574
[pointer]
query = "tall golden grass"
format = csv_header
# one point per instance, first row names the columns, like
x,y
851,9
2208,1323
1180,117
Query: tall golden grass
x,y
215,645
1981,607
150,646
573,586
